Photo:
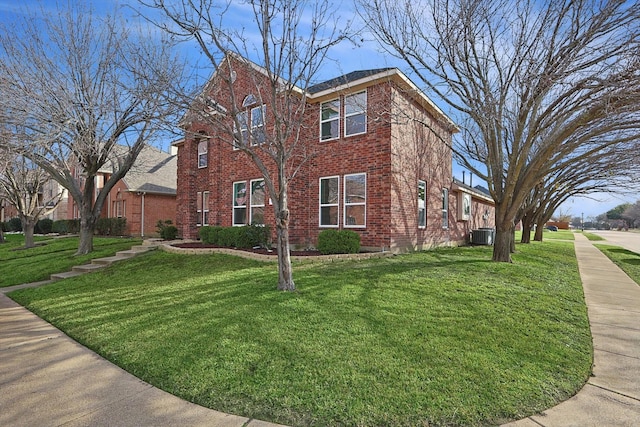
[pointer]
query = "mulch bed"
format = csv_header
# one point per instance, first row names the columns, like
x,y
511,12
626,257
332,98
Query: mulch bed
x,y
200,245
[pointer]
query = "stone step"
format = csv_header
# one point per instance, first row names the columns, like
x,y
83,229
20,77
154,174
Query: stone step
x,y
65,275
109,260
88,268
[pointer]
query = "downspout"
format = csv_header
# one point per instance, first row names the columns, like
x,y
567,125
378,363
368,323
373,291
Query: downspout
x,y
142,216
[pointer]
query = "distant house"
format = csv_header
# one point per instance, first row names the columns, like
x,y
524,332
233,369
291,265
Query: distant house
x,y
382,166
144,196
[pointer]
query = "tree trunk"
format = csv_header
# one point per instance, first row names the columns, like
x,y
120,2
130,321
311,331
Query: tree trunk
x,y
527,226
285,271
87,227
539,230
28,226
1,234
502,245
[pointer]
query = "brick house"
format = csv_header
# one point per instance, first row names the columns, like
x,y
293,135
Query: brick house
x,y
144,196
381,165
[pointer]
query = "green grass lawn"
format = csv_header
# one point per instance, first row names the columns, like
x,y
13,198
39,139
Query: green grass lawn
x,y
50,256
593,237
627,260
444,337
549,235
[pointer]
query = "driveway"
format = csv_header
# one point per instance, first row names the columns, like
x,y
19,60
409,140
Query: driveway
x,y
629,240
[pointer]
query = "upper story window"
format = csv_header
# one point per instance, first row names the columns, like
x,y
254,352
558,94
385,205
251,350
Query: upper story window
x,y
330,120
355,114
355,200
203,148
254,133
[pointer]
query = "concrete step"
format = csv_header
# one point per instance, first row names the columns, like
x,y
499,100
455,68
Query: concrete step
x,y
65,275
88,268
109,260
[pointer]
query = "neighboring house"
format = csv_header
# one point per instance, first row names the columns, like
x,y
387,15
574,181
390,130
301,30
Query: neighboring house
x,y
146,195
381,166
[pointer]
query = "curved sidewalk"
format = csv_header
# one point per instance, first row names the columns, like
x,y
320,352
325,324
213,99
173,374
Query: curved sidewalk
x,y
611,397
47,379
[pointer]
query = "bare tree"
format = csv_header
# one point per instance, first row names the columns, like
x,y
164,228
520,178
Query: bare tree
x,y
536,85
82,86
22,182
282,52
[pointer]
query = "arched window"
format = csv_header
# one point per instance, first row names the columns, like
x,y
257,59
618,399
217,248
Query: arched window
x,y
203,149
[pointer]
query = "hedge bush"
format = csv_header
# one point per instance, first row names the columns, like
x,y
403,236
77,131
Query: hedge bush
x,y
167,230
14,224
338,242
245,237
44,226
111,226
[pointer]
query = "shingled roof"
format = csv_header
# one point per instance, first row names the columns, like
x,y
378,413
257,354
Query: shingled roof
x,y
345,79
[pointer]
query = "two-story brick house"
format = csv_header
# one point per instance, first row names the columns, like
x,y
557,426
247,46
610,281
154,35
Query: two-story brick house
x,y
381,166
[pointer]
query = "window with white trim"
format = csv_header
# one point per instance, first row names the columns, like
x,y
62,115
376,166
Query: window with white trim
x,y
241,136
330,120
199,208
445,208
329,201
422,204
239,203
257,125
203,148
205,207
355,200
355,114
256,202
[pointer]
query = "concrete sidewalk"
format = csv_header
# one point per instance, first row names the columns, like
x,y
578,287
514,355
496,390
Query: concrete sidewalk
x,y
611,397
47,379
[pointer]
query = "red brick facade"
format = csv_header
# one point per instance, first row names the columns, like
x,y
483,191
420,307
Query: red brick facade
x,y
386,181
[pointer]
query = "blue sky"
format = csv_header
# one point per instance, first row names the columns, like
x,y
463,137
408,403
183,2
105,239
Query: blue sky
x,y
345,57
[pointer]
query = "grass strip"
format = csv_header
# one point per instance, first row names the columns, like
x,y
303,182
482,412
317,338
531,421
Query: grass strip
x,y
627,260
437,338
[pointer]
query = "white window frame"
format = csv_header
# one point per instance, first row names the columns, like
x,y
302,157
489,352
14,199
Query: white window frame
x,y
356,110
243,118
328,205
253,205
238,207
258,128
348,204
199,209
422,204
336,118
205,208
203,142
445,208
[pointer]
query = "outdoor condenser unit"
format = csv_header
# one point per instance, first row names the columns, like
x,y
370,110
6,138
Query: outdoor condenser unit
x,y
482,236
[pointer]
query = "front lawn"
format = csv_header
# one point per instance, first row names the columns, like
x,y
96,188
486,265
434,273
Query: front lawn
x,y
51,255
444,337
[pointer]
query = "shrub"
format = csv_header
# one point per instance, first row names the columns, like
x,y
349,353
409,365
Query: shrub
x,y
60,226
167,230
245,237
44,226
14,224
111,226
338,242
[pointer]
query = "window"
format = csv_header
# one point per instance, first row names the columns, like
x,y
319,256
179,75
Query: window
x,y
118,208
239,203
355,200
243,135
202,152
355,114
205,207
257,201
199,208
257,125
330,120
422,204
202,208
445,208
329,201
